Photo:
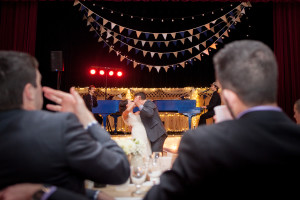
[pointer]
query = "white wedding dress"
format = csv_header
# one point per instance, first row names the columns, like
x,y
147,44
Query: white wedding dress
x,y
138,131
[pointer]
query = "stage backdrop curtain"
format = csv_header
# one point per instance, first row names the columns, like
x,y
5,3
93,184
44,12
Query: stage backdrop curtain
x,y
18,29
286,30
18,26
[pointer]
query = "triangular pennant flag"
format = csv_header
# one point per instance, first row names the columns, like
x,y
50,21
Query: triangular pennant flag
x,y
158,44
175,42
238,19
150,43
204,44
137,51
127,40
199,29
190,31
92,28
150,67
127,62
129,31
198,36
122,58
182,64
100,39
84,17
191,50
104,44
115,34
198,57
167,43
206,52
104,21
245,4
160,55
135,41
157,68
115,40
212,29
88,23
166,68
138,33
232,26
165,35
134,64
217,35
147,35
224,18
226,33
142,66
182,41
243,11
89,13
121,44
220,40
145,53
112,25
213,46
175,54
205,33
152,54
174,67
102,30
76,2
191,61
129,48
182,52
197,47
82,7
239,8
108,35
182,33
121,28
207,26
143,42
110,49
155,35
190,38
97,17
214,21
173,35
249,4
168,55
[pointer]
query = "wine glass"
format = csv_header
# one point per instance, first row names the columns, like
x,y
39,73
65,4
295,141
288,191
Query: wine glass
x,y
154,167
138,175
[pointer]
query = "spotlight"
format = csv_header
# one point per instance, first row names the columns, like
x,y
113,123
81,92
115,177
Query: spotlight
x,y
92,71
101,72
119,74
111,73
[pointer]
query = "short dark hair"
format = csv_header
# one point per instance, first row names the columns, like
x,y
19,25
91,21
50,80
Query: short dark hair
x,y
297,105
91,86
122,105
141,94
16,70
248,68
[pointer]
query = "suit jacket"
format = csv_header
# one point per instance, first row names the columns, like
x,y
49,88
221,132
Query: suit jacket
x,y
54,148
88,101
255,156
152,122
214,101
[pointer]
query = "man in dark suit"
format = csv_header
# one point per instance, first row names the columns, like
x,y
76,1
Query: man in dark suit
x,y
155,129
214,101
255,155
62,149
91,101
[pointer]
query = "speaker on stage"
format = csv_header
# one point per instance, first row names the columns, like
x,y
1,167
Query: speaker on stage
x,y
57,63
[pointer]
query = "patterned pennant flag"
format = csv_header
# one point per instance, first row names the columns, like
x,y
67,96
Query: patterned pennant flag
x,y
104,21
191,31
160,55
138,33
167,43
115,40
165,35
173,35
129,48
143,42
226,33
155,35
191,50
134,64
166,68
207,26
197,47
145,53
100,39
152,54
190,38
112,25
198,36
198,57
135,41
157,68
150,43
150,67
212,29
110,49
204,44
175,54
182,41
121,28
90,13
122,58
206,52
182,64
213,46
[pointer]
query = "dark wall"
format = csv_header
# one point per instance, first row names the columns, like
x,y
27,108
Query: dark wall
x,y
60,27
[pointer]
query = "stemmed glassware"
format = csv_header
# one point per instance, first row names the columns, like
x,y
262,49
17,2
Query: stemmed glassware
x,y
154,167
138,173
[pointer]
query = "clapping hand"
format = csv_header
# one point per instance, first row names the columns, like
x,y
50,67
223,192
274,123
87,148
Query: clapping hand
x,y
68,102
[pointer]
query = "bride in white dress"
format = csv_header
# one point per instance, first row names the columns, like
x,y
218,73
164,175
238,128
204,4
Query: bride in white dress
x,y
138,130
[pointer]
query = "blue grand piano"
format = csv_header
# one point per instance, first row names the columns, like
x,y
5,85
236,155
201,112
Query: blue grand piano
x,y
185,107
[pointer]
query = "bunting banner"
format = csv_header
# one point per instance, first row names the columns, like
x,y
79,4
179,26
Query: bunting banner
x,y
196,41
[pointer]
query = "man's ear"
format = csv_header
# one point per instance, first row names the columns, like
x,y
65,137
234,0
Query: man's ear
x,y
28,92
230,96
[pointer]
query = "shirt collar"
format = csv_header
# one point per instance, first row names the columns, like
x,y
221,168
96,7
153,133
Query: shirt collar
x,y
259,108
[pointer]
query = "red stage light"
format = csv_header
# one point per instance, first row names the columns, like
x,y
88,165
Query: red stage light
x,y
101,72
92,71
111,73
119,73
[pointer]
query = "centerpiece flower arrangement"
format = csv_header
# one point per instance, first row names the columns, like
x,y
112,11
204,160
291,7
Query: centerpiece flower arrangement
x,y
131,146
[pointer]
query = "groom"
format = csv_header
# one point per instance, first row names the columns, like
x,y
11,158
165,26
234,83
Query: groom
x,y
156,132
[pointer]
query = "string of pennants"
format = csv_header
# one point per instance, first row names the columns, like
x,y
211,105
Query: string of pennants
x,y
197,41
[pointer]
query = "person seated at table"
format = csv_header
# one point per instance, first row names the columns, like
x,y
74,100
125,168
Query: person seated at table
x,y
255,155
297,111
